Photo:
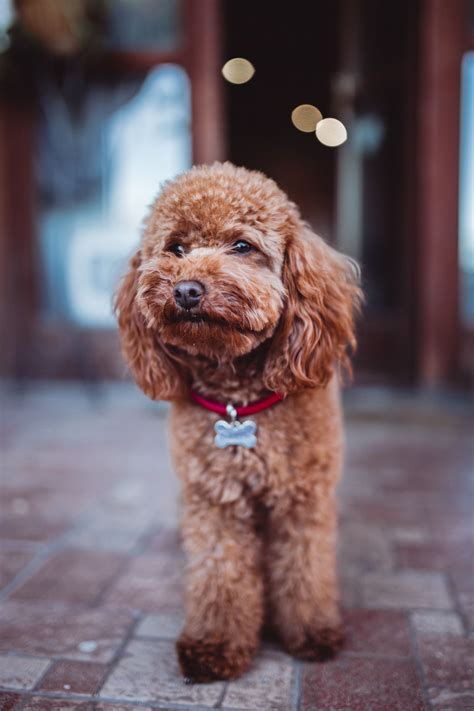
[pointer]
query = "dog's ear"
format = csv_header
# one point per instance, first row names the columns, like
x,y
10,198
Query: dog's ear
x,y
153,370
317,326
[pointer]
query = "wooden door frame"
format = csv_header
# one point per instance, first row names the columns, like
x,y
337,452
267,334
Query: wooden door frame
x,y
443,41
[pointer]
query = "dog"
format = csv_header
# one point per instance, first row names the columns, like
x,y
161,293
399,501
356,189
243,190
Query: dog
x,y
232,306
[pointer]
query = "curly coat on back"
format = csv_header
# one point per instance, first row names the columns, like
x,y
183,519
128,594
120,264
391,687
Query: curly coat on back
x,y
258,525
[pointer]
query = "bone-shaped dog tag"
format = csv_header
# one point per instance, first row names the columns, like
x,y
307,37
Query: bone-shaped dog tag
x,y
234,432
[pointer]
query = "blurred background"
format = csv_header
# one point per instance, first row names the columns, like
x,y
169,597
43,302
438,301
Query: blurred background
x,y
102,100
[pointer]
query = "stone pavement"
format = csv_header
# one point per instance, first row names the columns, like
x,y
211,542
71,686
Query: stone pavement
x,y
91,574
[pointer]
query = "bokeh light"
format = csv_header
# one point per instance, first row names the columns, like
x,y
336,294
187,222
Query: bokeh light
x,y
305,117
238,70
331,132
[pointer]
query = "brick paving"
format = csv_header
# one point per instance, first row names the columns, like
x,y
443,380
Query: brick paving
x,y
91,595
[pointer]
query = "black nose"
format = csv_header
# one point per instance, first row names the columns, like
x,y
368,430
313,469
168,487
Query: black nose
x,y
188,294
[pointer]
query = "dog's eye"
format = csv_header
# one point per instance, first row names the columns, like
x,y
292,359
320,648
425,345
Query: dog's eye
x,y
176,249
242,247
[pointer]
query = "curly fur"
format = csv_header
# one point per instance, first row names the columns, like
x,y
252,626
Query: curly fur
x,y
258,525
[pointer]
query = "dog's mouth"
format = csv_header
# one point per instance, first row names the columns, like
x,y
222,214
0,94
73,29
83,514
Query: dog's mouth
x,y
199,318
215,334
208,322
191,317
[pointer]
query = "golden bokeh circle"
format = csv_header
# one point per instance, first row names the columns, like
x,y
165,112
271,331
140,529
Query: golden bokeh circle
x,y
305,117
238,70
331,132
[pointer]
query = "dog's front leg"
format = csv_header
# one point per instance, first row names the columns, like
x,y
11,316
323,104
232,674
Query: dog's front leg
x,y
300,562
224,595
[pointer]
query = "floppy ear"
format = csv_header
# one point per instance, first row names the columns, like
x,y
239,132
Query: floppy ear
x,y
317,326
151,367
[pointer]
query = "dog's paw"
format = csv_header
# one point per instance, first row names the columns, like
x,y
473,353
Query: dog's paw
x,y
319,645
204,661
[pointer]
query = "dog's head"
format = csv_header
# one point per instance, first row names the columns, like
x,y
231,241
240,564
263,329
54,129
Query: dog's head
x,y
225,264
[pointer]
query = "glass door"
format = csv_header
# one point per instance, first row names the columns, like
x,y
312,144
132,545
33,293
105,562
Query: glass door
x,y
100,103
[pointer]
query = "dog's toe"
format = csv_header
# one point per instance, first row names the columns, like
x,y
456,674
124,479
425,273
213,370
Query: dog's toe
x,y
320,645
204,661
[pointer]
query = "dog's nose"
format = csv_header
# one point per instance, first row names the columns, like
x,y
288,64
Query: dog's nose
x,y
188,294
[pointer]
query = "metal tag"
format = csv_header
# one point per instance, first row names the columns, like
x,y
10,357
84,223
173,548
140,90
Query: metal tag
x,y
234,432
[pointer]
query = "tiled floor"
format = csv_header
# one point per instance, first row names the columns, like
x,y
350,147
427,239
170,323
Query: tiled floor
x,y
91,574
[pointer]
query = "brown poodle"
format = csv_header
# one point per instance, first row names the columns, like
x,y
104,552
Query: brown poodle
x,y
230,298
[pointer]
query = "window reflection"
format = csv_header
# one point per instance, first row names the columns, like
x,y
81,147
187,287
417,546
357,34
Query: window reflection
x,y
143,25
466,216
98,170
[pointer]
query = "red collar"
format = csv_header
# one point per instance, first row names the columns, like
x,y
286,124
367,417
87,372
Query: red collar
x,y
242,411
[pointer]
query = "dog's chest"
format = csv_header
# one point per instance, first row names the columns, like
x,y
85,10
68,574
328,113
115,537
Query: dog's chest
x,y
234,472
